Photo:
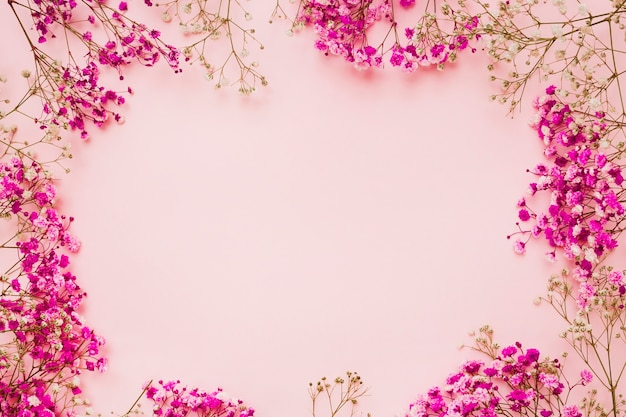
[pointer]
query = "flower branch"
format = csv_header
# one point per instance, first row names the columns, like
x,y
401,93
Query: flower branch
x,y
197,19
340,393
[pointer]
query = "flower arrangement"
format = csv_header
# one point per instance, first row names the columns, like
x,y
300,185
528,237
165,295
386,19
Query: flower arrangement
x,y
572,48
45,343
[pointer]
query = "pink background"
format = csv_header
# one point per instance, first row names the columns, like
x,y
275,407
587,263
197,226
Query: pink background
x,y
334,221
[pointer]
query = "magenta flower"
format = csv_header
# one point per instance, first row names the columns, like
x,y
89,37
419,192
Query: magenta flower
x,y
584,213
515,381
586,376
171,399
40,300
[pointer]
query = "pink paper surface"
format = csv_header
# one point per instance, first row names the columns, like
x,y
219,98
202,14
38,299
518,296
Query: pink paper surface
x,y
334,221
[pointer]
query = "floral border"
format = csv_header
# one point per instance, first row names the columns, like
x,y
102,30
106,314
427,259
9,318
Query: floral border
x,y
571,47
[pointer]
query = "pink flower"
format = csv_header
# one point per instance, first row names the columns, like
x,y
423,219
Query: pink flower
x,y
586,376
616,278
571,411
523,215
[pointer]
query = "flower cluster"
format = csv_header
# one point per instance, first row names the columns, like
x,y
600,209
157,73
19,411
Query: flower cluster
x,y
514,381
70,92
584,183
47,14
342,28
73,96
429,43
595,329
127,40
46,344
173,400
604,292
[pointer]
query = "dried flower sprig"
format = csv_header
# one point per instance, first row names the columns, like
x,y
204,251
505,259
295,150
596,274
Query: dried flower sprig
x,y
48,150
577,51
593,310
206,25
339,394
70,91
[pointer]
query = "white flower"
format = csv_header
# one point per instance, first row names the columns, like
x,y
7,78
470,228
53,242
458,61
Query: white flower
x,y
591,240
543,181
599,211
590,255
29,174
513,47
33,401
